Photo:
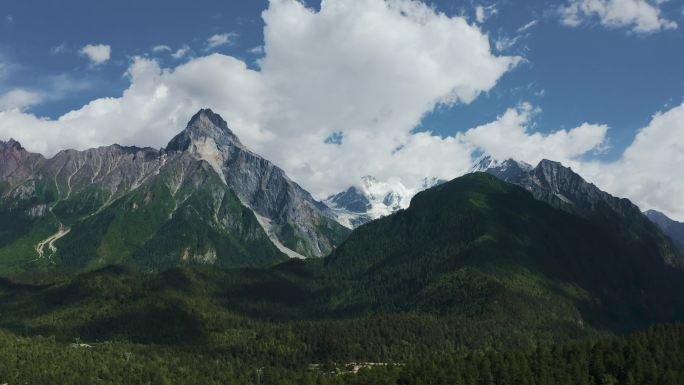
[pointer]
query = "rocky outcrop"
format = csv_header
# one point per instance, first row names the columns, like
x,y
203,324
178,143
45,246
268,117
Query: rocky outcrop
x,y
563,188
223,204
509,170
17,164
300,223
672,228
560,186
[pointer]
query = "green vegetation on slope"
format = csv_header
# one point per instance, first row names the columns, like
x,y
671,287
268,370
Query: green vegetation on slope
x,y
185,215
476,255
482,248
473,265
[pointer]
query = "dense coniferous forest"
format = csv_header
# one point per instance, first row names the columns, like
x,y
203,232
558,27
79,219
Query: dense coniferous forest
x,y
653,356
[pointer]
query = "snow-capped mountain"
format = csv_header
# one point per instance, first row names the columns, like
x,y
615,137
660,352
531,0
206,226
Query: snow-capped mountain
x,y
373,199
508,170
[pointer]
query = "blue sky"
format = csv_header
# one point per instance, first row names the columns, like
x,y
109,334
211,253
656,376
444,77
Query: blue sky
x,y
34,30
593,73
602,66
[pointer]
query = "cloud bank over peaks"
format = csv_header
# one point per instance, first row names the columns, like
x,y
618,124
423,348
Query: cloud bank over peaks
x,y
650,171
362,71
19,98
510,136
366,70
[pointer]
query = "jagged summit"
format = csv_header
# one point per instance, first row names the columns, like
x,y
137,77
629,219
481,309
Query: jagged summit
x,y
204,126
486,162
672,228
557,184
563,188
204,199
10,144
12,157
298,224
208,113
509,170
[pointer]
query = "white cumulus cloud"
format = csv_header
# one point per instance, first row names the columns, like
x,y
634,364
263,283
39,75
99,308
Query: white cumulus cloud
x,y
258,50
510,136
482,13
366,69
367,72
161,48
181,52
19,98
641,16
651,170
97,53
220,39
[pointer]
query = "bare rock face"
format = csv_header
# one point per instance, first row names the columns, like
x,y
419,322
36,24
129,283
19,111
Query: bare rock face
x,y
552,182
298,222
672,228
204,199
16,163
114,169
509,170
562,188
559,186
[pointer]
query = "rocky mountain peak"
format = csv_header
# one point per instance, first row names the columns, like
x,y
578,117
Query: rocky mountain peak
x,y
205,125
555,169
561,187
656,215
554,176
483,163
12,157
509,170
431,182
552,182
242,207
206,117
296,223
672,228
487,162
351,199
11,145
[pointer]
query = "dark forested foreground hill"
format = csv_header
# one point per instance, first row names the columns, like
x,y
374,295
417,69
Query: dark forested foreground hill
x,y
485,249
474,265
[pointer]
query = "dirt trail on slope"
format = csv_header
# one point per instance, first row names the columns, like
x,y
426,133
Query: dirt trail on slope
x,y
50,241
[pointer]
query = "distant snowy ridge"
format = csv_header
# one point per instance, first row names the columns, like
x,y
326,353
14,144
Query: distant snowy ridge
x,y
373,199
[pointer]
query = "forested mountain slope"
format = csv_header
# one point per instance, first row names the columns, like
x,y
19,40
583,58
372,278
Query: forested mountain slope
x,y
474,262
